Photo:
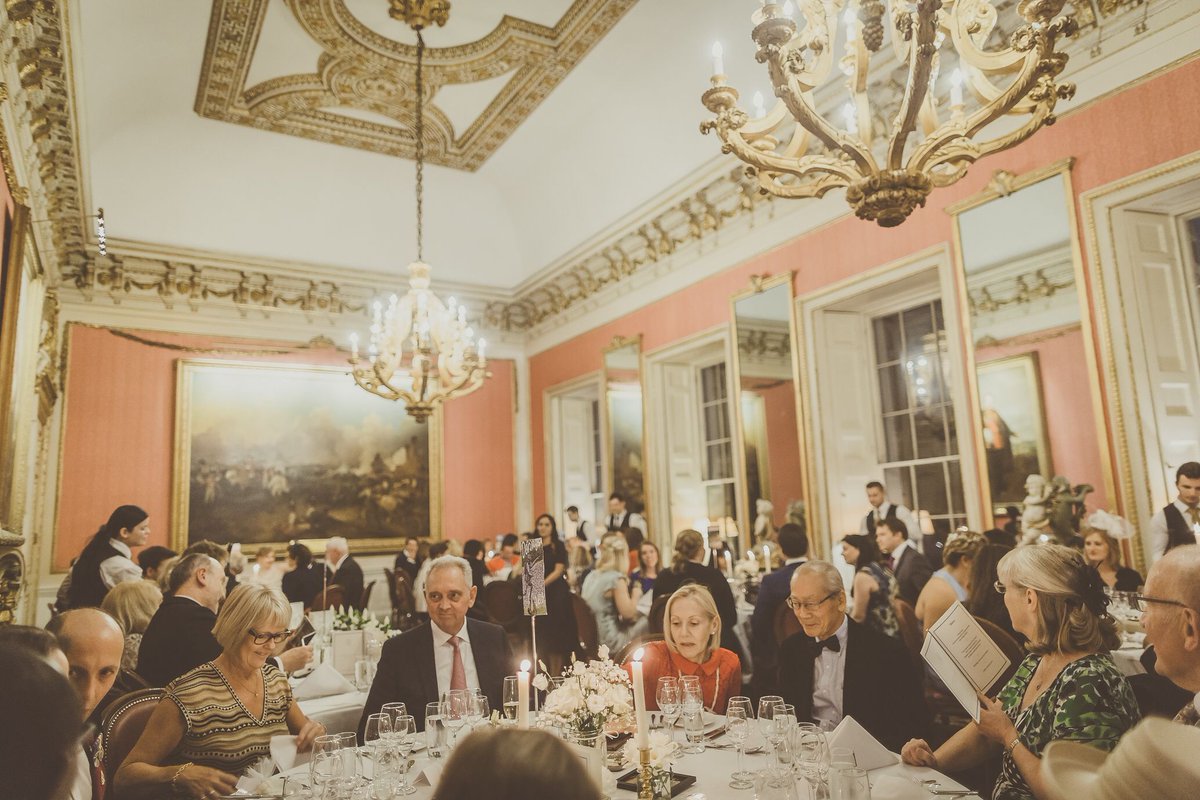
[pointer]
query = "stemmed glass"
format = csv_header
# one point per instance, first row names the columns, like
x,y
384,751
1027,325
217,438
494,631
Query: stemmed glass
x,y
404,729
744,706
691,703
811,753
483,709
668,702
766,715
737,728
325,769
510,698
456,709
351,763
473,713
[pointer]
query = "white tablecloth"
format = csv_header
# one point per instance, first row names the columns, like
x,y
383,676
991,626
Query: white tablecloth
x,y
1129,660
339,713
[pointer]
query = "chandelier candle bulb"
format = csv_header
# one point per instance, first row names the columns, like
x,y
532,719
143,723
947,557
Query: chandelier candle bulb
x,y
639,702
523,695
718,61
760,108
767,557
956,92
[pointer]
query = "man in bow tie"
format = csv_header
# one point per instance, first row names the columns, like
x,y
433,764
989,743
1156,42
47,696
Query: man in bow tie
x,y
837,667
1171,616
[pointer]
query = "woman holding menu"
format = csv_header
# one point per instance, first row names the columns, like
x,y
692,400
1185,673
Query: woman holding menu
x,y
1067,688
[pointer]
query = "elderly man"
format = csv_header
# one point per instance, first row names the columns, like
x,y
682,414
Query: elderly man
x,y
179,637
1171,617
93,643
837,667
344,571
451,651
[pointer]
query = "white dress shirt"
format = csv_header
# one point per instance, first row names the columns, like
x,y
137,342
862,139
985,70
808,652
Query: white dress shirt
x,y
81,777
118,569
634,521
829,680
443,658
902,514
895,554
1158,528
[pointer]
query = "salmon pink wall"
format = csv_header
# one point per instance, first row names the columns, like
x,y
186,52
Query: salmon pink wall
x,y
1105,150
783,454
119,437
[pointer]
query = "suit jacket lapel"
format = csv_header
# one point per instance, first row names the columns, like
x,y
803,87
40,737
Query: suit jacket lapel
x,y
481,652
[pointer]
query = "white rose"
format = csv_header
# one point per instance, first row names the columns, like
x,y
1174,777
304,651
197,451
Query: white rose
x,y
595,704
603,652
540,682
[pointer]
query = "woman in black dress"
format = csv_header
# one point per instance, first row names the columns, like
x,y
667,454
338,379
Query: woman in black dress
x,y
1103,553
687,567
557,635
303,581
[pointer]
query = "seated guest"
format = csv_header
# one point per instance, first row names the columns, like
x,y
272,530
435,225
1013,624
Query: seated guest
x,y
41,643
874,586
107,559
692,646
1067,688
1103,553
409,560
450,651
39,739
132,605
302,581
1171,616
647,568
473,552
436,551
772,591
836,667
218,719
163,578
687,566
92,642
503,563
983,600
612,600
344,571
222,556
517,765
909,565
1152,762
263,570
151,560
579,564
952,582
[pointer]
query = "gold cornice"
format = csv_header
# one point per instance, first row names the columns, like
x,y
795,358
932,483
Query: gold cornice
x,y
361,69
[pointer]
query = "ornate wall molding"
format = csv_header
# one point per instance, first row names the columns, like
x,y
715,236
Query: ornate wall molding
x,y
360,69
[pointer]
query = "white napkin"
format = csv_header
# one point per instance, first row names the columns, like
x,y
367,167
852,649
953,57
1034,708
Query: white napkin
x,y
256,776
890,787
429,775
283,750
322,682
868,752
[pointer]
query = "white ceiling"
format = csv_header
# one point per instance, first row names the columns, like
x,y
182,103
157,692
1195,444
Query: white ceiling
x,y
619,130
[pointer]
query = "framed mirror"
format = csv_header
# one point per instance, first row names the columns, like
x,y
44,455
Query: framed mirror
x,y
624,429
767,413
1035,390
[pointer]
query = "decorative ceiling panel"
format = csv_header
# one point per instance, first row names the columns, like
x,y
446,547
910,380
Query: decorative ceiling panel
x,y
361,70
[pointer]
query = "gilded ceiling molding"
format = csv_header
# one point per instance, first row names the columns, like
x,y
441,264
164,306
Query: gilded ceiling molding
x,y
360,69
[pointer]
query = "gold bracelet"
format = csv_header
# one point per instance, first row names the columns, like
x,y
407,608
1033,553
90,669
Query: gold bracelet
x,y
179,772
1008,751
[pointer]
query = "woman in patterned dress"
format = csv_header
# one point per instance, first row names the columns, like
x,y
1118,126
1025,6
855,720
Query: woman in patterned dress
x,y
1067,688
874,586
218,719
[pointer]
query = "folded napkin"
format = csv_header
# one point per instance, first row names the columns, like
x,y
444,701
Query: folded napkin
x,y
868,752
322,682
891,787
283,750
429,775
256,776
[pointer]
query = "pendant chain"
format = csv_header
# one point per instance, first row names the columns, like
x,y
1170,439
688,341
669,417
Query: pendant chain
x,y
420,146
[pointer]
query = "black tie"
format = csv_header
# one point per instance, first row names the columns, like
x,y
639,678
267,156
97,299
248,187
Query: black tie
x,y
832,643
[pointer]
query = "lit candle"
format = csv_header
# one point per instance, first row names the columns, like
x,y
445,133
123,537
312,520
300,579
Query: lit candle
x,y
718,62
851,23
956,93
482,347
850,114
523,695
767,557
760,108
354,346
639,702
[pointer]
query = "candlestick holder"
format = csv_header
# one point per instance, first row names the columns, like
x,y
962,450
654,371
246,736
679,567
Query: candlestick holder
x,y
645,782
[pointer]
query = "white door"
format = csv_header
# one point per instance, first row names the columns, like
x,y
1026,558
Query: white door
x,y
687,500
575,454
1170,397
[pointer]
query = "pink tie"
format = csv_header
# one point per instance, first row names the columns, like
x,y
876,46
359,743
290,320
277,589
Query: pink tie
x,y
458,673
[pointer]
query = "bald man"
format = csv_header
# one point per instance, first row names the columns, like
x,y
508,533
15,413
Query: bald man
x,y
1171,617
93,643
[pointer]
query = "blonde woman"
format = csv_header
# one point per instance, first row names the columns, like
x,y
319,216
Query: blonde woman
x,y
1067,688
1103,551
951,583
606,590
132,604
687,566
218,719
692,646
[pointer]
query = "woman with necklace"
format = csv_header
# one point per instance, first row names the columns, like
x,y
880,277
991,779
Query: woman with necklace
x,y
218,719
1067,688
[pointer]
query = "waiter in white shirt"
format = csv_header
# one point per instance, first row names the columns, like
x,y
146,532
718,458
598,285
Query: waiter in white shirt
x,y
1178,522
620,518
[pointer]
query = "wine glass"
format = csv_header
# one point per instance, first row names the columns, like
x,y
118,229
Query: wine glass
x,y
811,754
766,714
326,765
404,729
473,713
456,707
668,701
393,710
691,704
377,732
737,728
483,709
510,698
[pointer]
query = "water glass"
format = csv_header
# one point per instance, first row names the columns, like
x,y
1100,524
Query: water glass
x,y
693,728
325,768
404,729
668,702
510,698
457,706
811,754
841,757
775,784
352,769
737,728
435,731
294,788
850,783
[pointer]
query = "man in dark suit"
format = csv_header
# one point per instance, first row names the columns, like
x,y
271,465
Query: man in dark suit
x,y
910,567
451,651
344,571
771,593
838,668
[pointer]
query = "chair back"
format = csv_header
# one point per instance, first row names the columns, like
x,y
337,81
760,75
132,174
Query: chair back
x,y
1011,647
911,632
122,726
585,623
658,610
502,601
366,596
391,584
785,624
333,597
625,654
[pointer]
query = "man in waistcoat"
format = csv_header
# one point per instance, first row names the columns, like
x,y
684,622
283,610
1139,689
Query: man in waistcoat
x,y
1178,522
882,509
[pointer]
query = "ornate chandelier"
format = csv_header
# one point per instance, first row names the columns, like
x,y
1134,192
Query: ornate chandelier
x,y
420,351
886,170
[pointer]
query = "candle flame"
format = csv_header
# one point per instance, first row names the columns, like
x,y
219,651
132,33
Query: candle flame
x,y
637,655
525,665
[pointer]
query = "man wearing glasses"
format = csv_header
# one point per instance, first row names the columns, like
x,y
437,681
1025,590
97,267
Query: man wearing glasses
x,y
1171,616
838,668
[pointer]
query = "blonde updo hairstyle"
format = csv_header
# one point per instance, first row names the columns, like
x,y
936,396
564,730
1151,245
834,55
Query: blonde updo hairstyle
x,y
962,544
689,545
703,598
614,555
1072,613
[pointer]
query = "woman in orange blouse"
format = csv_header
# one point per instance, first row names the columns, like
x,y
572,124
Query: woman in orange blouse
x,y
691,646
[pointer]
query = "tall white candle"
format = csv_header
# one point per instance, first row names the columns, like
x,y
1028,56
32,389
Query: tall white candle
x,y
639,702
718,61
767,557
956,89
523,695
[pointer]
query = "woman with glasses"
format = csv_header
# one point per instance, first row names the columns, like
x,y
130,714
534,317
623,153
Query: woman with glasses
x,y
218,719
1067,688
874,586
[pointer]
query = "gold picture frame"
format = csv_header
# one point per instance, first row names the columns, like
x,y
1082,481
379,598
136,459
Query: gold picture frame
x,y
335,471
1013,418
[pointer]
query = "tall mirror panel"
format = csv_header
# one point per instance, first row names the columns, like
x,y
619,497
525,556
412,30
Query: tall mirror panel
x,y
625,434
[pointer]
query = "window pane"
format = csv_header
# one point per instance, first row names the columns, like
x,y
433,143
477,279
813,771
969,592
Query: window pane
x,y
930,430
720,501
898,481
887,339
893,389
957,504
897,436
712,422
931,488
951,429
918,332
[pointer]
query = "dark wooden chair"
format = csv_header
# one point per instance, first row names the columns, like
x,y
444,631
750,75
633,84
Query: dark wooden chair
x,y
1010,646
625,654
333,597
658,610
122,726
785,624
585,623
366,596
911,632
502,602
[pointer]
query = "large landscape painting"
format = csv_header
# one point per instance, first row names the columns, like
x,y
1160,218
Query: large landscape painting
x,y
267,453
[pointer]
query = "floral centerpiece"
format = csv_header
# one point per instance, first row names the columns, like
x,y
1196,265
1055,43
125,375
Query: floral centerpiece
x,y
594,695
663,751
351,619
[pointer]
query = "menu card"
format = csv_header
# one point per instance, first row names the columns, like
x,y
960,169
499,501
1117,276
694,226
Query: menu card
x,y
962,654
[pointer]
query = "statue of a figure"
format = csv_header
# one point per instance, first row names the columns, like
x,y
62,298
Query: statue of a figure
x,y
764,529
796,514
1033,517
1066,510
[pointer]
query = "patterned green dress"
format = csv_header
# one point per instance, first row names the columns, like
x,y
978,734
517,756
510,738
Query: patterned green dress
x,y
1090,701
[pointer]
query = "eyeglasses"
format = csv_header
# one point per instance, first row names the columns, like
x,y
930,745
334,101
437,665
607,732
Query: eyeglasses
x,y
1142,601
794,604
263,638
